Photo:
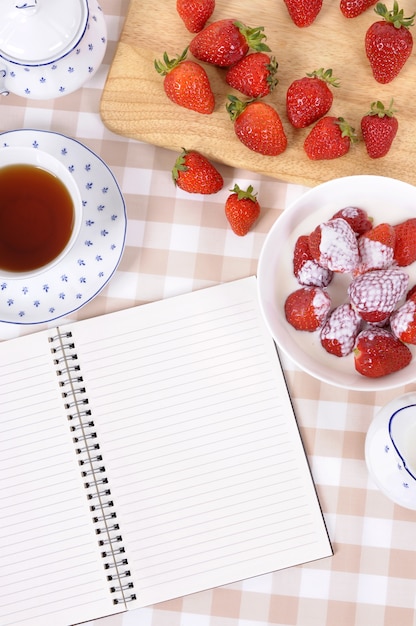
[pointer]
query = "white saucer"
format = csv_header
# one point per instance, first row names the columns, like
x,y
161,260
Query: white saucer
x,y
93,259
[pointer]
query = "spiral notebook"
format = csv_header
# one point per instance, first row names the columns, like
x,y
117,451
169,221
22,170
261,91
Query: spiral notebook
x,y
148,454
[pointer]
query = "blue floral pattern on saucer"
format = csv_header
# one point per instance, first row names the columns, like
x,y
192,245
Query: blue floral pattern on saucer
x,y
93,259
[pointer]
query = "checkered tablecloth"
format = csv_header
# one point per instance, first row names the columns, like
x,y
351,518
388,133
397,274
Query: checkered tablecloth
x,y
177,243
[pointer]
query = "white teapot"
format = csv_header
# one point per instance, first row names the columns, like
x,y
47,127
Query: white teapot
x,y
390,450
49,48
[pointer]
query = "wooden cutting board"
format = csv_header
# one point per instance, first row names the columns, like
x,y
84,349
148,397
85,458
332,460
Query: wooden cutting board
x,y
134,104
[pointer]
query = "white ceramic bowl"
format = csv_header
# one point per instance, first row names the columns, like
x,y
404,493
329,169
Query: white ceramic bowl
x,y
385,200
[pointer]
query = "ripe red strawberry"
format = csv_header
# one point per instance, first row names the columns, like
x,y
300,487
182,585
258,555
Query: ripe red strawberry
x,y
357,218
375,294
405,248
254,75
340,330
330,138
195,13
307,308
306,269
411,294
353,8
242,209
379,127
186,83
225,42
194,173
388,42
303,12
258,126
333,244
376,248
378,352
403,322
310,97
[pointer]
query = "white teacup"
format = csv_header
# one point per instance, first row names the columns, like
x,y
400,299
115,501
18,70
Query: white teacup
x,y
40,212
390,450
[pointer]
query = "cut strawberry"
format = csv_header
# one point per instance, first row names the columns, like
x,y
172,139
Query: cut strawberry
x,y
340,330
306,269
307,308
376,294
333,245
378,352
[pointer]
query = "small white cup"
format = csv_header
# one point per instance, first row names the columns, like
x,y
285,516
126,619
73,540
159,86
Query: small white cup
x,y
15,155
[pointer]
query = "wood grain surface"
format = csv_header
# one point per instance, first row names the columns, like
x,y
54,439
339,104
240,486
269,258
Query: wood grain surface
x,y
134,104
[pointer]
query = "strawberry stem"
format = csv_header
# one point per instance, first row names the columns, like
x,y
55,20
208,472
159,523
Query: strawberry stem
x,y
253,36
325,75
378,108
247,194
168,64
395,16
236,106
180,165
346,129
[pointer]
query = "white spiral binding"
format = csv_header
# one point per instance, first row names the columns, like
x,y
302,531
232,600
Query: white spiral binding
x,y
93,471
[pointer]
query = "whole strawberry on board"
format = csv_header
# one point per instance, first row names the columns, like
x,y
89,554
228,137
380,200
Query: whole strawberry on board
x,y
242,209
353,8
389,42
303,12
379,127
378,352
195,13
310,97
225,42
257,125
330,138
254,75
186,83
194,173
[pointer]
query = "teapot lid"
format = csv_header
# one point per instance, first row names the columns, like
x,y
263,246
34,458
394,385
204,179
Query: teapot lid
x,y
40,31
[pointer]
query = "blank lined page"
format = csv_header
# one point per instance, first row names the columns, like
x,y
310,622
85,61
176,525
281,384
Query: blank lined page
x,y
51,572
204,458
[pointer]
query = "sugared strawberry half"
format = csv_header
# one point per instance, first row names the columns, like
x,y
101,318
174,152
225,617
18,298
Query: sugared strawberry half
x,y
340,330
306,269
375,294
376,248
357,218
405,248
378,352
403,322
307,308
333,245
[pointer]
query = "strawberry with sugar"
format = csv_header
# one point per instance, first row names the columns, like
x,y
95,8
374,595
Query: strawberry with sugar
x,y
333,245
307,308
306,269
340,330
375,294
